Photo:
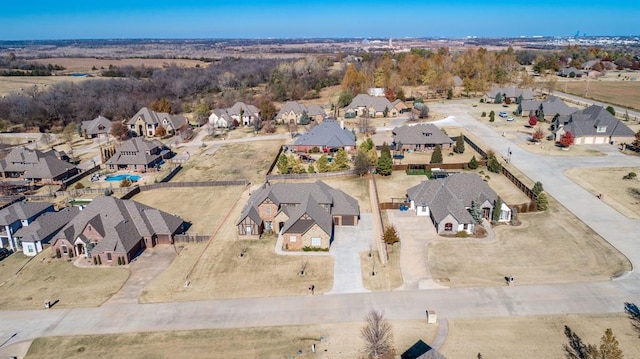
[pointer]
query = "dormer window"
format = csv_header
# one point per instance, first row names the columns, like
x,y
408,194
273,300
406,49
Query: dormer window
x,y
601,129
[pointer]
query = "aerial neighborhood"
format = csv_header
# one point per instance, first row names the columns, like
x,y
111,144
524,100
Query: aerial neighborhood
x,y
306,187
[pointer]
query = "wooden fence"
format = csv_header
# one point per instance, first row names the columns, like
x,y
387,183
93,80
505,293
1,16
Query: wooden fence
x,y
390,205
521,186
377,219
191,238
275,161
73,179
171,174
311,175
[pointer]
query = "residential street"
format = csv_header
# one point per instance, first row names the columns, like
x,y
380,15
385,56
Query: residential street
x,y
551,299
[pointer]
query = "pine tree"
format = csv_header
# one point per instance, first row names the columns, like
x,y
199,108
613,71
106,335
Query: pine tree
x,y
283,164
340,161
373,157
436,156
361,163
459,148
390,235
498,98
473,163
323,164
537,188
609,347
543,202
497,208
493,165
476,211
385,162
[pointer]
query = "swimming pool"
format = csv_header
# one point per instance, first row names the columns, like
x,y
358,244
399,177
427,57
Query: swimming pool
x,y
132,178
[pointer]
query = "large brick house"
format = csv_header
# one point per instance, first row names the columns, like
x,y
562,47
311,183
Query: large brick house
x,y
113,231
37,166
139,155
146,122
292,112
303,213
327,136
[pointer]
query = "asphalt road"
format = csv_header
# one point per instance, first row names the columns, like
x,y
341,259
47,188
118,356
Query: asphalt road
x,y
545,299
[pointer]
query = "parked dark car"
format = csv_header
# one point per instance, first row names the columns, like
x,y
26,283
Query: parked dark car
x,y
4,253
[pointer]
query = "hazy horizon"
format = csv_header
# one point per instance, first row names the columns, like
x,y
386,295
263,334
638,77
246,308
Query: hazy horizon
x,y
291,19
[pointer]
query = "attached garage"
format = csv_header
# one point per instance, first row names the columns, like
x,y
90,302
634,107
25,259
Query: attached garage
x,y
348,220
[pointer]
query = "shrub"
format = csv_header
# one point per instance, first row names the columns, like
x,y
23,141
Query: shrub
x,y
493,165
126,182
119,261
473,163
314,249
630,176
79,185
462,234
314,149
58,254
483,114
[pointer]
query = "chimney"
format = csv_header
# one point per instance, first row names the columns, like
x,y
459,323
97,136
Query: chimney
x,y
342,124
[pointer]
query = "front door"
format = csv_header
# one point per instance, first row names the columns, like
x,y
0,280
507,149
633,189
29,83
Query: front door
x,y
79,249
486,212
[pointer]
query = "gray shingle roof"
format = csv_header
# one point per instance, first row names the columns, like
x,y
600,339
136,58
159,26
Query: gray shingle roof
x,y
137,151
586,123
511,91
305,215
158,118
21,211
46,224
555,106
122,223
379,103
452,195
97,126
328,134
35,164
420,134
530,105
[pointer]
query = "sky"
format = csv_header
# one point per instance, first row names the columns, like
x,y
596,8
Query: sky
x,y
116,19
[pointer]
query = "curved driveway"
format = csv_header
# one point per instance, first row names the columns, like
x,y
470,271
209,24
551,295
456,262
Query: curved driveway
x,y
545,299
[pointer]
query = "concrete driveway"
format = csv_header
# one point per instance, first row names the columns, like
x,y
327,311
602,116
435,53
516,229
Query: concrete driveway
x,y
347,245
415,234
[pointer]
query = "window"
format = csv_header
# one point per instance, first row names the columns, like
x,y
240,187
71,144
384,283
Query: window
x,y
30,249
448,227
292,239
316,242
109,257
601,129
267,210
65,250
248,230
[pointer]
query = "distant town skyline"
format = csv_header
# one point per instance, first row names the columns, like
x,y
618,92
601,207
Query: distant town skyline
x,y
64,19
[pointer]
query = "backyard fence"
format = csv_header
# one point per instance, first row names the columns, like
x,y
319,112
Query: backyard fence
x,y
275,161
311,175
73,179
377,220
521,186
171,174
191,238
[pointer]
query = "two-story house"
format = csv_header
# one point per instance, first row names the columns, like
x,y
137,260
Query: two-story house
x,y
145,123
139,155
16,216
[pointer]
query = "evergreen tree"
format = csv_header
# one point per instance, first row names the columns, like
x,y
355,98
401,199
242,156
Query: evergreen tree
x,y
476,211
459,148
385,162
493,165
361,163
367,145
543,202
340,161
492,116
473,163
497,208
436,156
498,98
390,235
372,154
295,166
311,169
537,188
611,110
304,118
283,164
609,347
323,164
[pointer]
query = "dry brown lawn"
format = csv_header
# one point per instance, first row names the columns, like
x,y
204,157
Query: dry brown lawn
x,y
85,64
622,93
387,277
10,266
46,278
331,340
548,247
623,195
203,207
20,84
502,186
396,185
236,161
534,337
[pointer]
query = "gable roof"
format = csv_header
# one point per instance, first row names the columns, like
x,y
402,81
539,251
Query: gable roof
x,y
158,118
122,223
420,134
35,164
452,195
46,224
379,104
421,350
246,109
512,92
97,126
586,123
137,151
530,105
315,215
555,106
21,211
327,134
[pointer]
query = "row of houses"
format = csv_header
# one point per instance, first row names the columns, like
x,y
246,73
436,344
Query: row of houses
x,y
108,228
145,123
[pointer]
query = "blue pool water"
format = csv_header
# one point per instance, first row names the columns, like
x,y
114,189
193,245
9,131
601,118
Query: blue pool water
x,y
132,178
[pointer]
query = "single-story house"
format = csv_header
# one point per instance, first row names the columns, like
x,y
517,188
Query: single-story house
x,y
554,106
420,137
145,123
593,125
37,166
292,111
511,92
139,155
303,213
244,114
448,202
421,350
99,127
16,216
571,72
36,236
114,231
371,106
529,107
329,135
400,106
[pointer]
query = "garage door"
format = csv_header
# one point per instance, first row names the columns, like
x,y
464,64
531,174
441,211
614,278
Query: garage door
x,y
348,221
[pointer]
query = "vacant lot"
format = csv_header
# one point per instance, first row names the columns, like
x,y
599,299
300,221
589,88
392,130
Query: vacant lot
x,y
548,247
386,277
622,93
20,84
93,65
331,340
534,337
236,161
621,194
45,278
203,207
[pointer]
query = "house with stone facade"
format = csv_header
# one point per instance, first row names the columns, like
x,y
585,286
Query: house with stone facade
x,y
292,112
113,231
302,213
139,155
36,166
372,106
146,122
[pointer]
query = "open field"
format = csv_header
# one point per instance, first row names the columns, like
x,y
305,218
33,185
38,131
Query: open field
x,y
623,195
331,340
203,207
621,93
10,266
235,161
508,337
45,278
86,65
548,247
387,277
20,84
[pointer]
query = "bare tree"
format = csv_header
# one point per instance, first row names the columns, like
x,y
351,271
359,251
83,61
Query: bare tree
x,y
378,336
